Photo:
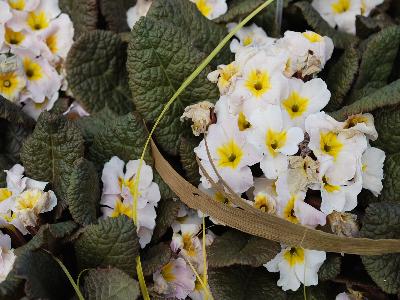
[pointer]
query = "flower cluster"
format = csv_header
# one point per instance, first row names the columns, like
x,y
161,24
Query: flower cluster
x,y
342,13
35,38
23,200
118,195
270,115
7,256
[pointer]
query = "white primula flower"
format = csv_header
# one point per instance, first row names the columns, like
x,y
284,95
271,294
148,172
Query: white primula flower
x,y
363,123
339,13
34,109
252,36
117,196
372,170
12,77
273,141
332,145
303,99
199,292
175,279
264,195
225,77
187,221
200,114
5,15
75,110
7,256
139,10
211,9
24,5
40,18
262,82
296,265
23,39
31,203
217,196
368,5
308,52
231,154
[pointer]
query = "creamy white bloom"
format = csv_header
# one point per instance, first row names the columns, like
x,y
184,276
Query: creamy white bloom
x,y
225,77
23,40
273,141
217,196
75,109
250,36
12,77
175,279
24,5
296,265
7,256
302,99
187,221
200,115
363,123
372,170
5,15
118,190
139,10
264,195
231,154
339,13
308,52
199,293
211,9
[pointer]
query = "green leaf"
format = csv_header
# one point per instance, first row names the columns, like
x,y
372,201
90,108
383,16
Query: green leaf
x,y
377,62
49,153
330,269
386,96
341,40
387,124
365,26
160,58
391,182
12,287
244,283
165,190
14,136
114,12
110,284
112,242
238,248
83,192
188,159
156,257
341,77
82,13
13,114
382,221
167,211
44,277
96,72
238,9
124,137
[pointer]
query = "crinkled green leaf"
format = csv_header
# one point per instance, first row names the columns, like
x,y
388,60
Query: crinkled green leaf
x,y
188,159
44,277
341,77
238,9
365,26
167,211
124,137
160,58
114,12
341,40
382,221
156,257
112,242
376,62
203,34
330,269
83,14
391,182
14,136
238,248
49,153
13,113
12,288
387,124
110,284
165,190
243,283
384,97
96,72
83,192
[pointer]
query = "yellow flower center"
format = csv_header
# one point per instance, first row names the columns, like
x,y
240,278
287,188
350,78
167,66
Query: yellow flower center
x,y
289,213
242,122
28,199
39,106
220,198
354,120
226,74
9,84
275,140
262,203
312,37
167,272
5,194
188,245
17,4
363,7
121,209
330,144
295,105
248,40
330,188
258,83
230,155
38,21
204,7
198,286
294,256
364,167
13,37
341,6
51,42
32,69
